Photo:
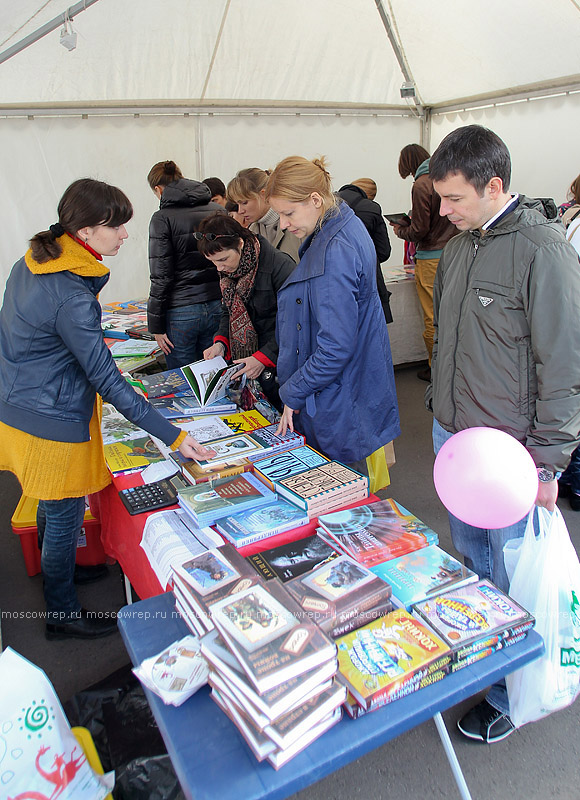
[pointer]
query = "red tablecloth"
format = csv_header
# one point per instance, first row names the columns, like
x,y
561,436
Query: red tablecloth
x,y
121,535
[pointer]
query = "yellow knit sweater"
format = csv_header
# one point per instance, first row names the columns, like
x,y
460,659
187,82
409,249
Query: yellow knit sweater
x,y
49,470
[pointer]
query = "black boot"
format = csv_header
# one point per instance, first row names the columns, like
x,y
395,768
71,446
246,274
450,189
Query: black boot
x,y
84,625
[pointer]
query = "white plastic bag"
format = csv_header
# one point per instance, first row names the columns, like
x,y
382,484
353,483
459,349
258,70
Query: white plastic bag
x,y
546,581
39,755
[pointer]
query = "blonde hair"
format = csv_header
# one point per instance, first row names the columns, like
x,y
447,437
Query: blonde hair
x,y
247,183
368,186
295,178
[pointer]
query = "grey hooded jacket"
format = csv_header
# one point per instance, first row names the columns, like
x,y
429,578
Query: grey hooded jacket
x,y
507,333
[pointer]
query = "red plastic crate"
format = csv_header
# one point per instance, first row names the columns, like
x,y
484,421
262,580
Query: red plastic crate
x,y
89,550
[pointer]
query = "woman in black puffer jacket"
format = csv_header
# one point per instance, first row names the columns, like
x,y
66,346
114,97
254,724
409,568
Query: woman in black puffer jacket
x,y
184,304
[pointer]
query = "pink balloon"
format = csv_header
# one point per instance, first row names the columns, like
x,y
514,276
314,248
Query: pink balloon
x,y
486,478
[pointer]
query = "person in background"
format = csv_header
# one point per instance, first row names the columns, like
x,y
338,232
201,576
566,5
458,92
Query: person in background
x,y
218,190
247,189
429,231
334,365
570,210
184,304
251,274
569,483
506,355
53,363
371,216
232,209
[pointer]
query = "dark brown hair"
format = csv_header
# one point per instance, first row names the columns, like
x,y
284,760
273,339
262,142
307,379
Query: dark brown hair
x,y
86,202
227,228
216,186
410,159
574,191
162,173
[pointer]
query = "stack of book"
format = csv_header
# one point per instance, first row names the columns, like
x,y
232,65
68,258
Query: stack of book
x,y
207,578
377,532
389,658
253,445
285,465
422,574
475,621
319,489
271,671
206,503
256,524
118,318
341,596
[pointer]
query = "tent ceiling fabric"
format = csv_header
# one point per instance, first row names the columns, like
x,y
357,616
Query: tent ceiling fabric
x,y
271,53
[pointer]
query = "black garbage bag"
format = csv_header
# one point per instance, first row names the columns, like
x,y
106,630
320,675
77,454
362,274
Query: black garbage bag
x,y
118,717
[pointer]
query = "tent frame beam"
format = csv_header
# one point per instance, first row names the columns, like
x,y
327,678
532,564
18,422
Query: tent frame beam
x,y
48,27
519,94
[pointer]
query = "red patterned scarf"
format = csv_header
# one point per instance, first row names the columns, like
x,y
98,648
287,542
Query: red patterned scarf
x,y
236,288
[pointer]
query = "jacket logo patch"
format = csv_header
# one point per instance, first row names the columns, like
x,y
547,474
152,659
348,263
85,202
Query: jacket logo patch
x,y
485,301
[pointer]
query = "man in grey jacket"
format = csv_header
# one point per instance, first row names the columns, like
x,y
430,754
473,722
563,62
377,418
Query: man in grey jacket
x,y
506,354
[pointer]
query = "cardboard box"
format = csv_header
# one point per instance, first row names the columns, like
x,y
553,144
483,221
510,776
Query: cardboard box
x,y
89,548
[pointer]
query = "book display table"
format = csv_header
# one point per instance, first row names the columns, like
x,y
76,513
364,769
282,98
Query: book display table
x,y
121,535
212,760
406,329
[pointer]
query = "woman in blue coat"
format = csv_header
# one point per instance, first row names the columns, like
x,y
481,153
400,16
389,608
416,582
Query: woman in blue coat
x,y
334,365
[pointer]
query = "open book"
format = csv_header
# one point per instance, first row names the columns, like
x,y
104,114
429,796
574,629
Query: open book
x,y
206,380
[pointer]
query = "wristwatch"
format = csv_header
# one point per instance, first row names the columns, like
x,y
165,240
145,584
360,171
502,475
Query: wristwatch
x,y
545,474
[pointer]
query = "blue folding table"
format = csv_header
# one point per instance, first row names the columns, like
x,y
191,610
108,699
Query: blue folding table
x,y
212,760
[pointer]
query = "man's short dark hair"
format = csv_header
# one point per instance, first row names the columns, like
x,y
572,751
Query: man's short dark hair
x,y
216,186
477,153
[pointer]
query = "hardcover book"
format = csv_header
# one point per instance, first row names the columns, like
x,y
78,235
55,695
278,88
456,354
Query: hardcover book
x,y
319,488
377,532
207,380
341,595
195,475
269,636
377,661
205,504
212,576
421,574
275,702
292,559
241,445
479,610
255,524
283,465
132,454
271,442
280,757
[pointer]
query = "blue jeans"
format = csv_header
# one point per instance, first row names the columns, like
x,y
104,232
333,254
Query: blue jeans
x,y
59,524
482,551
191,330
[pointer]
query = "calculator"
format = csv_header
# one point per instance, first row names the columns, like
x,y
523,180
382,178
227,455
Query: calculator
x,y
152,496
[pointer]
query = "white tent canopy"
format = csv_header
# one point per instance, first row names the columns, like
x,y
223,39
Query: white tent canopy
x,y
219,85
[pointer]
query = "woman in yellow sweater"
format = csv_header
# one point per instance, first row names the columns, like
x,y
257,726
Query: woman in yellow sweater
x,y
53,362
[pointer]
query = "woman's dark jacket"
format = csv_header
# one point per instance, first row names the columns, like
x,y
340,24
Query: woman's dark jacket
x,y
274,267
180,276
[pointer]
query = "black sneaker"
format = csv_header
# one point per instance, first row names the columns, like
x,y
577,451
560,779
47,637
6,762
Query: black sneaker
x,y
574,500
485,724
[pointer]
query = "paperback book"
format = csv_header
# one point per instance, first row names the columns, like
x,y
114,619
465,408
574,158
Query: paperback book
x,y
133,347
255,524
227,496
323,488
241,445
187,405
132,454
274,703
211,576
269,636
245,421
284,465
115,428
273,443
341,595
292,559
377,532
377,662
421,574
477,611
207,380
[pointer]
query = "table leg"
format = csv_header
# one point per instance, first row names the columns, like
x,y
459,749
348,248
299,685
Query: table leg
x,y
451,757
